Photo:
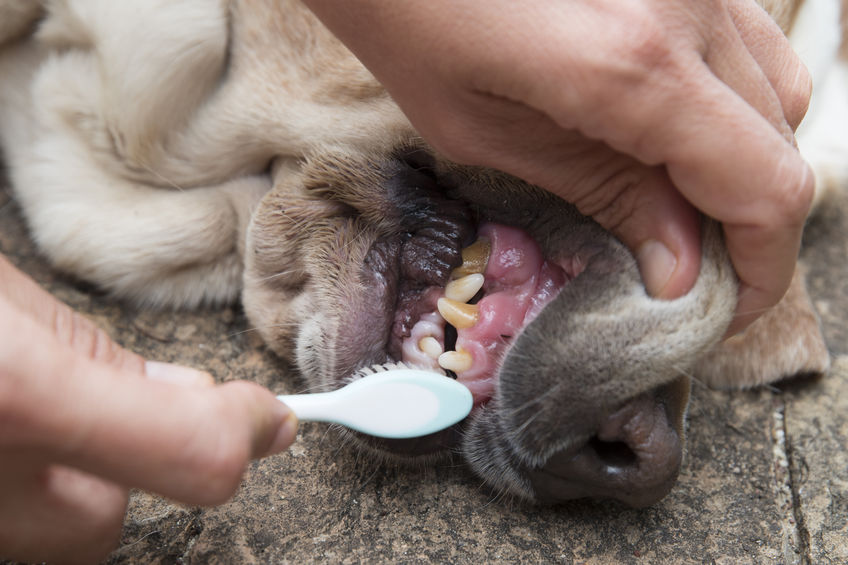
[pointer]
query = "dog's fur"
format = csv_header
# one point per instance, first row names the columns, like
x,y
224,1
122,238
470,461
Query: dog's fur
x,y
186,152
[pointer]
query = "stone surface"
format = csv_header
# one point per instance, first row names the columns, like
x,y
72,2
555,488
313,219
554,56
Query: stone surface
x,y
765,478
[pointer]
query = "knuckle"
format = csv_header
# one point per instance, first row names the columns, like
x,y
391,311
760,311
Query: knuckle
x,y
89,527
74,330
221,484
616,92
800,200
612,201
84,336
643,44
218,469
220,473
218,477
791,204
797,99
100,346
648,46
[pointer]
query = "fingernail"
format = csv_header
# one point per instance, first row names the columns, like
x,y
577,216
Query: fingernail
x,y
176,374
657,263
286,433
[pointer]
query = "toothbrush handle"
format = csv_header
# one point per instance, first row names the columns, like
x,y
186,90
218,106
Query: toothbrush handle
x,y
316,407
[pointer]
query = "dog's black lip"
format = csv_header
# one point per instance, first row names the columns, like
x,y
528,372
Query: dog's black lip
x,y
410,304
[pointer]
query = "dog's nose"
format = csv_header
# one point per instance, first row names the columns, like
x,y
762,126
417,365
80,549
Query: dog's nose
x,y
634,457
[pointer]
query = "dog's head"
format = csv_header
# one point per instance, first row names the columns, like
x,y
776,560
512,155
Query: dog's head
x,y
580,380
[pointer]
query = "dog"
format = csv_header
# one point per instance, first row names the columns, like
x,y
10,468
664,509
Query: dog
x,y
192,152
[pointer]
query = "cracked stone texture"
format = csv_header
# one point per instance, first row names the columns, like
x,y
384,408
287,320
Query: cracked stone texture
x,y
765,479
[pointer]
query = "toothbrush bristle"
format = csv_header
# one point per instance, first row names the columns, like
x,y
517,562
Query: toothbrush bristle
x,y
380,368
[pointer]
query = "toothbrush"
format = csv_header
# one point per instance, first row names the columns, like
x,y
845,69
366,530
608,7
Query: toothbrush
x,y
394,402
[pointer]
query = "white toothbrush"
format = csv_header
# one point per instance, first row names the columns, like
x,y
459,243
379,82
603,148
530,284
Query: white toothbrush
x,y
392,403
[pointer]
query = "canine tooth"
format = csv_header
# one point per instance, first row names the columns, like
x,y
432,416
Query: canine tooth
x,y
474,258
430,346
456,361
464,289
457,314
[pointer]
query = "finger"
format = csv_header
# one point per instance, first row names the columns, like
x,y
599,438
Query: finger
x,y
735,167
728,161
758,290
68,326
28,300
635,202
191,444
787,74
177,374
730,60
59,514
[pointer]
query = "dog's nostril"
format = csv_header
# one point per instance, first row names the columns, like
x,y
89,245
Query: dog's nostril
x,y
613,453
634,457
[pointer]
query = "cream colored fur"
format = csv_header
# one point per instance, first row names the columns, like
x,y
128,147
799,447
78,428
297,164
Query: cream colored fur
x,y
112,102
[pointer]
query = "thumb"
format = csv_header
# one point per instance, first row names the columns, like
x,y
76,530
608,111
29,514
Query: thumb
x,y
662,230
190,443
79,406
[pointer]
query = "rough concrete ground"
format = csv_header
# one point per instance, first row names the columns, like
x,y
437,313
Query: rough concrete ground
x,y
765,479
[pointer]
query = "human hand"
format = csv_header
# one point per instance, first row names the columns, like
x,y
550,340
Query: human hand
x,y
82,420
640,113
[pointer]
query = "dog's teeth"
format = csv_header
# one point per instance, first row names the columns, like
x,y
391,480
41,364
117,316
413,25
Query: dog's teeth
x,y
430,346
456,361
474,259
464,289
457,314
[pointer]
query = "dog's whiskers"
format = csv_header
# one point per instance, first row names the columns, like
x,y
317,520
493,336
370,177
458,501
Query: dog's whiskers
x,y
756,311
274,276
519,430
355,239
258,328
690,375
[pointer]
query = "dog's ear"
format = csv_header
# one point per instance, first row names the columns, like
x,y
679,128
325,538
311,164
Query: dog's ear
x,y
784,342
17,18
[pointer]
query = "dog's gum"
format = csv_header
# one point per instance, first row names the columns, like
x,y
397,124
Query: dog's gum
x,y
430,326
515,256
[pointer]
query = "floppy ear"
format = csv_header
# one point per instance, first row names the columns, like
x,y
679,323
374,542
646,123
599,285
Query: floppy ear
x,y
784,342
17,18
